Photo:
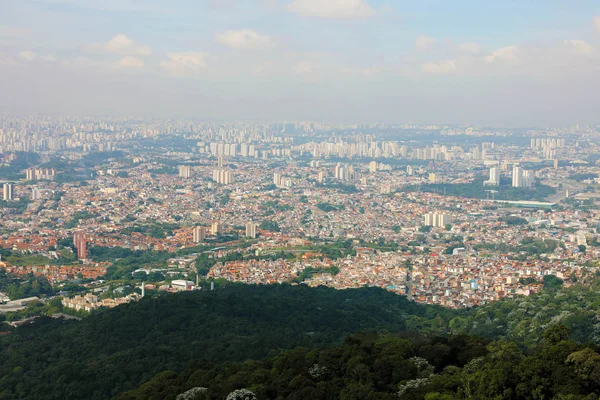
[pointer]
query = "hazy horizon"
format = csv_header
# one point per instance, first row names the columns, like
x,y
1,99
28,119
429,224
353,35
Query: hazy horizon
x,y
506,64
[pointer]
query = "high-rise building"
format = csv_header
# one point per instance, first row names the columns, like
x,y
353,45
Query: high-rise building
x,y
216,228
223,176
251,230
517,177
494,177
220,162
199,234
522,178
185,171
277,179
373,166
34,174
8,189
528,179
437,220
82,250
79,242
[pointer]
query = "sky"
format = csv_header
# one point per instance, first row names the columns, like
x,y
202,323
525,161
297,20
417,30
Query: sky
x,y
496,63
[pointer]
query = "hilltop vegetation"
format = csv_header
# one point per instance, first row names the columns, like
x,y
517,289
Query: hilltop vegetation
x,y
118,349
398,367
115,351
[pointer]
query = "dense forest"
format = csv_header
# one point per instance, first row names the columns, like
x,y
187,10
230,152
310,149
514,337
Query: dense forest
x,y
118,349
164,340
378,367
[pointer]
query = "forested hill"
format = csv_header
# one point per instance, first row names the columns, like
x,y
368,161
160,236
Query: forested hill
x,y
371,367
118,349
114,351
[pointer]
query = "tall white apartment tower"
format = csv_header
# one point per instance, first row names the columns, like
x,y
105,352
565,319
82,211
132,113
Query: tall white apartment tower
x,y
517,177
7,191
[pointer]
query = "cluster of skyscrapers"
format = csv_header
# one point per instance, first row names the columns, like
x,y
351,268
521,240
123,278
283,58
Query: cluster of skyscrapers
x,y
281,181
437,220
344,172
548,146
222,175
35,174
185,171
522,178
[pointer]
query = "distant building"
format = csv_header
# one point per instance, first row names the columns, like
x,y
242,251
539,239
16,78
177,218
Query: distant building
x,y
35,174
522,178
344,172
251,230
216,228
185,171
437,220
373,166
79,241
385,189
528,179
182,285
199,234
8,189
517,177
223,176
494,177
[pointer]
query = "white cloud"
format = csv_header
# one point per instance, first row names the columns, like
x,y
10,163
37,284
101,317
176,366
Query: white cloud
x,y
48,58
597,22
131,62
244,39
471,48
580,46
304,67
443,67
185,63
120,44
506,55
332,8
27,55
425,42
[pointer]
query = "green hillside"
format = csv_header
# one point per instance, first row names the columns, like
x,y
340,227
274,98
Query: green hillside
x,y
118,349
115,351
371,367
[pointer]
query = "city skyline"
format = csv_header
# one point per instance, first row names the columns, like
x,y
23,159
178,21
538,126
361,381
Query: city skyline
x,y
506,64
